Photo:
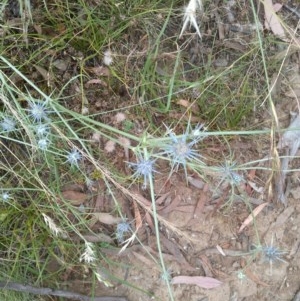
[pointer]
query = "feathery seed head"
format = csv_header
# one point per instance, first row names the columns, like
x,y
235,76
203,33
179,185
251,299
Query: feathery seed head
x,y
190,16
107,58
89,255
52,226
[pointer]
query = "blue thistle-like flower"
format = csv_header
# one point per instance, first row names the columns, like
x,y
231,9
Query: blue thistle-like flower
x,y
180,149
241,275
167,276
227,173
74,157
43,143
272,254
41,130
122,228
143,168
5,196
8,124
38,111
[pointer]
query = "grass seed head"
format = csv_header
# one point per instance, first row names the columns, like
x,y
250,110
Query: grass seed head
x,y
88,256
56,230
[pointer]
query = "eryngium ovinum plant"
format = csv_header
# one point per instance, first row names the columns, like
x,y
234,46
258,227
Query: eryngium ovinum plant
x,y
44,146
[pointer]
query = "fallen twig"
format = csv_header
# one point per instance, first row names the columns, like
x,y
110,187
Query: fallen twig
x,y
13,286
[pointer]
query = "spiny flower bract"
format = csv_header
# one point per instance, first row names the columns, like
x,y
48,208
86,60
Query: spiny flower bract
x,y
41,130
272,254
122,228
180,149
5,196
73,157
228,173
143,168
43,143
8,124
38,111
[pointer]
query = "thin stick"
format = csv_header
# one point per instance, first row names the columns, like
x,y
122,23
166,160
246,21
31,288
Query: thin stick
x,y
13,286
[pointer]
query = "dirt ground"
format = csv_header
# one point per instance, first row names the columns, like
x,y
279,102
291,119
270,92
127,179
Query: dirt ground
x,y
200,230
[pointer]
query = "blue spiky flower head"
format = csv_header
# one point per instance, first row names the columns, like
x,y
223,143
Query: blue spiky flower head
x,y
181,149
8,124
73,157
43,143
38,111
41,130
228,173
122,229
5,196
144,167
272,254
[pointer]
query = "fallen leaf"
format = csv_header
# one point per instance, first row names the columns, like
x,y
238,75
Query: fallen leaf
x,y
149,221
61,65
272,21
144,260
100,70
206,265
44,73
196,182
175,202
220,250
174,250
107,218
99,237
143,201
254,213
255,187
74,197
95,81
204,282
252,276
282,218
201,202
162,198
137,215
185,103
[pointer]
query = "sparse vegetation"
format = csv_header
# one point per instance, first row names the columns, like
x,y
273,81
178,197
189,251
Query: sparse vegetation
x,y
115,116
